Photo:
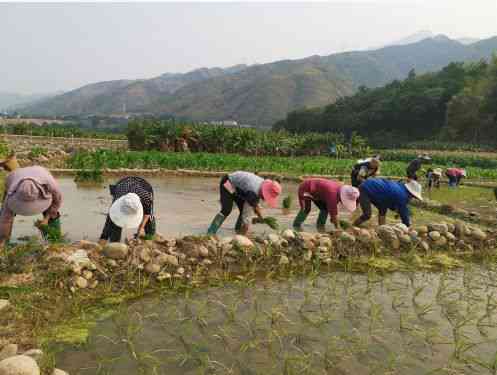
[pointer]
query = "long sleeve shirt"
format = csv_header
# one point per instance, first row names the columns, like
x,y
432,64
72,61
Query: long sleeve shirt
x,y
43,178
247,185
320,190
454,172
386,194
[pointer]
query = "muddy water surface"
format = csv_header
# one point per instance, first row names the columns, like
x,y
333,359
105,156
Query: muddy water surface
x,y
186,205
183,205
337,323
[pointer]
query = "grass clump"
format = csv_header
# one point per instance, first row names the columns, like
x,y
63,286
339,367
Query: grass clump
x,y
89,176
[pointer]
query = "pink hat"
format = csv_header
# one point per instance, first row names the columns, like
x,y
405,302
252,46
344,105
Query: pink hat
x,y
270,190
29,198
348,197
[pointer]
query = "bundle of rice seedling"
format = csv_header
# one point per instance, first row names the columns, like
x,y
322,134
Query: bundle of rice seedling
x,y
287,202
270,221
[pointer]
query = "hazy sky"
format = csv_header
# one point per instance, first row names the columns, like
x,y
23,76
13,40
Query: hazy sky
x,y
50,47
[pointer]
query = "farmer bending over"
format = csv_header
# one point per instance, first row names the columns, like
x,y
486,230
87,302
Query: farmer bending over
x,y
132,207
433,176
245,189
30,191
364,169
455,175
415,165
384,195
328,196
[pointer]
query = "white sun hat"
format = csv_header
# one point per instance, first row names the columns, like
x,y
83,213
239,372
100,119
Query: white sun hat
x,y
127,211
415,189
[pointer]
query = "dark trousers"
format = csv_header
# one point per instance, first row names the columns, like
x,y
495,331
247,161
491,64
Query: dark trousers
x,y
454,180
227,200
113,233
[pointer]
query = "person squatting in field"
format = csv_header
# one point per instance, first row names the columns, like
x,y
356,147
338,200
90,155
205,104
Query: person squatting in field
x,y
433,176
132,207
415,165
455,175
246,190
365,169
384,195
30,191
328,196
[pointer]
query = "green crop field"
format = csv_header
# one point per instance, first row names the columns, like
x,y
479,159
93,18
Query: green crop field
x,y
226,162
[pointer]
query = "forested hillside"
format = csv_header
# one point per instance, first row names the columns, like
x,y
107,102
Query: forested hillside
x,y
261,94
459,103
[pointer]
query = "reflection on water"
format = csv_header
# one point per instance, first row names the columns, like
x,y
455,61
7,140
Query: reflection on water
x,y
337,323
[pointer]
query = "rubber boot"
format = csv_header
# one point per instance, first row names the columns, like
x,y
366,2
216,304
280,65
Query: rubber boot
x,y
299,219
238,224
382,220
321,222
216,224
358,222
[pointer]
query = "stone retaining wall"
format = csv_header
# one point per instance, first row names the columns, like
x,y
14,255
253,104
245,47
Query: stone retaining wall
x,y
24,143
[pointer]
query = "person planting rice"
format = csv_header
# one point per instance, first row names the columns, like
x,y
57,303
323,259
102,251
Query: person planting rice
x,y
132,207
455,175
415,165
433,176
30,191
246,190
328,196
365,169
384,195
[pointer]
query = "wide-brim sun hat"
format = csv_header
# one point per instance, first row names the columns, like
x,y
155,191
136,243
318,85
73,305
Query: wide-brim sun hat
x,y
10,162
28,199
348,197
270,191
438,171
127,211
415,189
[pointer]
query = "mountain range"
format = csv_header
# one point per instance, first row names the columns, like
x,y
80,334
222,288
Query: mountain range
x,y
262,94
11,100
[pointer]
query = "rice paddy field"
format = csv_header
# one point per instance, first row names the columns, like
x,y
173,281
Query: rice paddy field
x,y
327,323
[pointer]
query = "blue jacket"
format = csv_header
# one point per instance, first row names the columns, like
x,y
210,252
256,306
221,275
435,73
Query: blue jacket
x,y
387,194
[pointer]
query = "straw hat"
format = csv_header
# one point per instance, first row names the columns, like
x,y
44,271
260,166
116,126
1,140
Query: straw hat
x,y
10,163
270,190
29,198
414,188
127,211
438,171
348,197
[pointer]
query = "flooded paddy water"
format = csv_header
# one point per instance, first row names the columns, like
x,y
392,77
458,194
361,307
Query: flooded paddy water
x,y
470,198
328,323
324,323
183,206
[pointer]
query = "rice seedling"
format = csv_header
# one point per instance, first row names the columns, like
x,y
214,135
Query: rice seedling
x,y
89,176
287,202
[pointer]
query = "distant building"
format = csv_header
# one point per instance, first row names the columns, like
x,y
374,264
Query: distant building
x,y
224,123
